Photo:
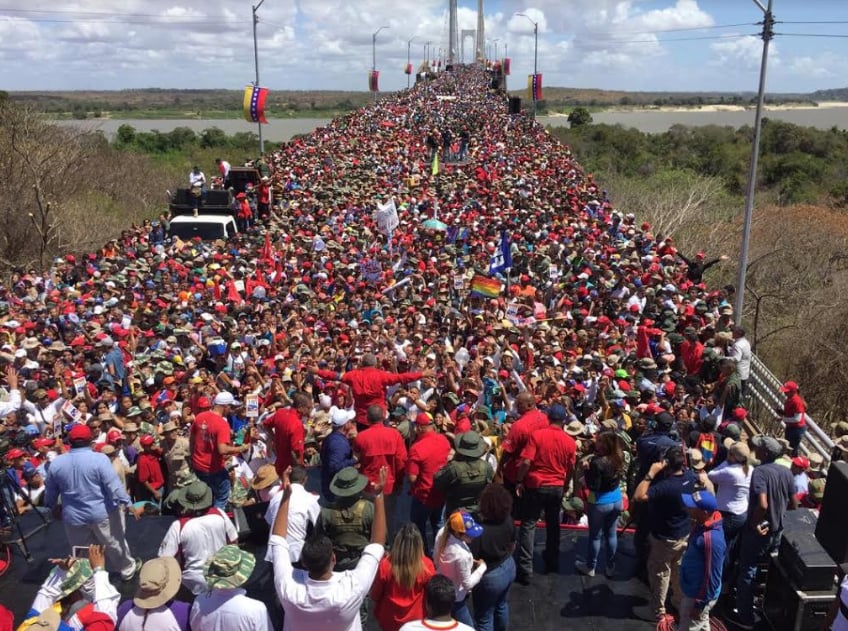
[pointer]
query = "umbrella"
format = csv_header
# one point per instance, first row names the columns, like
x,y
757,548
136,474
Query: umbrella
x,y
435,224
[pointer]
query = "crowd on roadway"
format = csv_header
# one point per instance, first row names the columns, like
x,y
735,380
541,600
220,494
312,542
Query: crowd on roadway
x,y
600,384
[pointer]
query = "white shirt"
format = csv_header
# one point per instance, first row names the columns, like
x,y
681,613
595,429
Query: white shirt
x,y
228,610
161,619
199,539
303,510
732,487
741,352
456,561
198,178
435,625
331,605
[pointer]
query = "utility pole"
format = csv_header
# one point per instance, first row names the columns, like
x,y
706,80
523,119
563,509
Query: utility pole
x,y
427,53
256,64
767,35
408,58
374,55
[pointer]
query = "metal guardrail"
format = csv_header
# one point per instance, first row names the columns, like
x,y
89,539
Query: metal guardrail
x,y
765,397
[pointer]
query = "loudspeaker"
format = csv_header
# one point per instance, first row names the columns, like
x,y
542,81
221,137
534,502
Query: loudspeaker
x,y
791,609
515,105
804,559
832,526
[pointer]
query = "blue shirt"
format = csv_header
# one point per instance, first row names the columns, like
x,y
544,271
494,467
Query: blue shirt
x,y
701,566
336,454
89,487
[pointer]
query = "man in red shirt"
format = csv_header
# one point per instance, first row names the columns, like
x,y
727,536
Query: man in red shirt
x,y
531,419
428,454
692,352
287,432
381,446
151,480
368,384
546,469
210,444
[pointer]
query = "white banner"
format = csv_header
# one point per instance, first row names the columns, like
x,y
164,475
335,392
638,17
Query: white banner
x,y
386,217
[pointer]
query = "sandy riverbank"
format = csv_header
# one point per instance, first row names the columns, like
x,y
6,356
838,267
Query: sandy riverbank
x,y
785,107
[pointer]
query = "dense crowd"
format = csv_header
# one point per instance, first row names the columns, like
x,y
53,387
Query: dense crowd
x,y
599,383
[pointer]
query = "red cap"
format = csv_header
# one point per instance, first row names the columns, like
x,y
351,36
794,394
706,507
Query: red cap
x,y
204,403
740,413
15,453
38,443
424,418
114,435
801,462
79,432
146,440
789,386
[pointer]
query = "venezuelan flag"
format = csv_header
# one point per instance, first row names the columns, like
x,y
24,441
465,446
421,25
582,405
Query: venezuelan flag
x,y
486,287
254,104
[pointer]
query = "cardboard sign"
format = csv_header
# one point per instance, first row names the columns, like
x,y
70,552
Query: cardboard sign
x,y
459,283
79,385
512,313
71,411
553,271
251,403
126,322
372,270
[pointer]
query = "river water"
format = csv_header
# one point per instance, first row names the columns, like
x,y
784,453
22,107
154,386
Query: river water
x,y
651,121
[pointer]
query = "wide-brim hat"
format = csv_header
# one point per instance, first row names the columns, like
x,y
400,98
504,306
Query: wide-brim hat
x,y
158,582
470,444
47,620
194,496
348,482
76,576
575,428
229,567
265,477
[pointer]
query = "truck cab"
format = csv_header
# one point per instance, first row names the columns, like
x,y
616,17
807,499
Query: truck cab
x,y
210,227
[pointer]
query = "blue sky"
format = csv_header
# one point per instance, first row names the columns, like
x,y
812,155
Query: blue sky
x,y
687,45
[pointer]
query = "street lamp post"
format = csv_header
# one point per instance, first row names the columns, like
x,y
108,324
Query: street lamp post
x,y
767,35
256,66
374,54
427,53
535,53
495,42
408,58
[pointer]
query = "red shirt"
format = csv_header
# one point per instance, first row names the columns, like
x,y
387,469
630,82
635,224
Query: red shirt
x,y
518,437
692,354
794,409
427,455
368,386
380,446
394,605
149,470
289,435
207,432
552,454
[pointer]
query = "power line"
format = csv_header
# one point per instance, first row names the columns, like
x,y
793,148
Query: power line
x,y
815,22
668,40
835,35
688,28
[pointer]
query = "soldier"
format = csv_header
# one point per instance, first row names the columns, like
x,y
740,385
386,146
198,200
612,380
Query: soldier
x,y
174,452
347,522
466,475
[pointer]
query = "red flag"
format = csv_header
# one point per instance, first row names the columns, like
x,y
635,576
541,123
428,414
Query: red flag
x,y
267,253
216,291
374,81
407,69
507,62
233,294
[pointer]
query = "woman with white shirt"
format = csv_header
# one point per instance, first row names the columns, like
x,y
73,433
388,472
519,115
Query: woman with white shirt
x,y
455,561
732,479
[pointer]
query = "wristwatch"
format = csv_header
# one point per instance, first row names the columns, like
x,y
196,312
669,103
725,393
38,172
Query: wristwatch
x,y
648,478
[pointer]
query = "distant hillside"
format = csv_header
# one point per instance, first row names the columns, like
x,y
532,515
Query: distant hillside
x,y
836,94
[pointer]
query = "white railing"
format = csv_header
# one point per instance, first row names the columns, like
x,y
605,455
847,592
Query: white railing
x,y
765,398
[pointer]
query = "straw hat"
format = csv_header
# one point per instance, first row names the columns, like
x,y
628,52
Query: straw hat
x,y
575,428
229,567
266,476
158,582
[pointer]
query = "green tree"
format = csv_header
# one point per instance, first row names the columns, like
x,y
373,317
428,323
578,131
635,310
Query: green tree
x,y
212,138
579,116
125,136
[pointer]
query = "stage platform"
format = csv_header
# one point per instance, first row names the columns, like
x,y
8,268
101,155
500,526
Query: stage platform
x,y
551,603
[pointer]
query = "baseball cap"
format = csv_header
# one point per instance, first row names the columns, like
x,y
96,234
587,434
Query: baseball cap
x,y
114,435
557,412
147,440
801,462
789,386
79,432
224,398
203,403
340,416
15,453
462,523
424,418
703,500
769,444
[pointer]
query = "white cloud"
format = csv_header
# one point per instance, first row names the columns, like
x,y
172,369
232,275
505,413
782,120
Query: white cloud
x,y
744,53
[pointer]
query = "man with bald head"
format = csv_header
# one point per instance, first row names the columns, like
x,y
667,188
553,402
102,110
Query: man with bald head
x,y
368,384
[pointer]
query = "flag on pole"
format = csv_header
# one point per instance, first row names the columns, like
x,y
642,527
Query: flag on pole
x,y
407,69
254,104
502,258
534,87
507,62
486,287
374,81
435,170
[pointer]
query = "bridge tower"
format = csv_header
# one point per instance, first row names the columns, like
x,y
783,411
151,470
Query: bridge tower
x,y
453,31
481,32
